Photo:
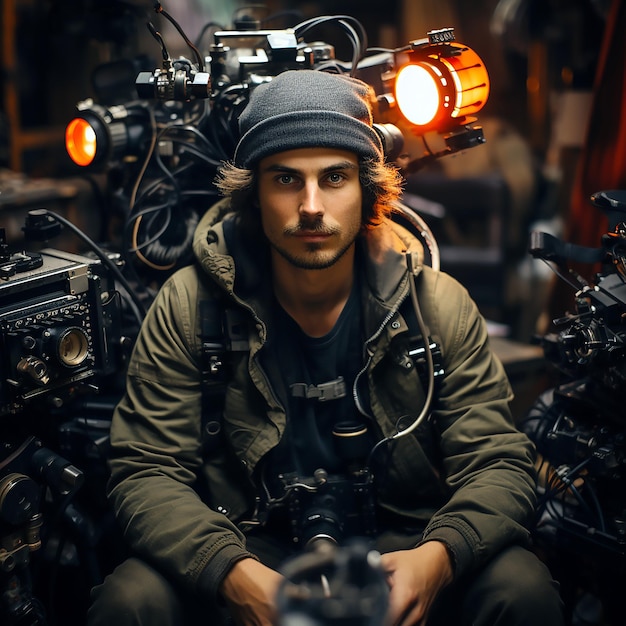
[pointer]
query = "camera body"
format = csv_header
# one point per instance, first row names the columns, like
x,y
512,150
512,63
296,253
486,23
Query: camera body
x,y
579,425
59,329
593,340
330,507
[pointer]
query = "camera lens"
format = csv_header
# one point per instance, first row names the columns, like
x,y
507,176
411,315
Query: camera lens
x,y
321,522
352,441
72,347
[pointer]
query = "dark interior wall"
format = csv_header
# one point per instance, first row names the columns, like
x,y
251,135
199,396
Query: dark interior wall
x,y
58,43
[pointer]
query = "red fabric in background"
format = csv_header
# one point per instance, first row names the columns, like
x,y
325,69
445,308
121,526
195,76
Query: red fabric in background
x,y
602,163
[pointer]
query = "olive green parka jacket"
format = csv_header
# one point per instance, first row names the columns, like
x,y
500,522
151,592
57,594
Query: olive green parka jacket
x,y
465,476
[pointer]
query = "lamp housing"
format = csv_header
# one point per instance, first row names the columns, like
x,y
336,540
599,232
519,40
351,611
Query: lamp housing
x,y
100,135
440,84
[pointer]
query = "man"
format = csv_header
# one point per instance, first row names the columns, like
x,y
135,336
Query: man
x,y
303,254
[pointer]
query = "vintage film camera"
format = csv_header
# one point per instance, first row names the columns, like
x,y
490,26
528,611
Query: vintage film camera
x,y
59,326
59,339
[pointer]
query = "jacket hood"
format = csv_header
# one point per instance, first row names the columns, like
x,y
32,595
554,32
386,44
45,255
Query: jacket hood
x,y
218,246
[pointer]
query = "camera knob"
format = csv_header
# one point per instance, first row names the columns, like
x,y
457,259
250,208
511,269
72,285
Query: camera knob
x,y
29,342
35,368
320,476
19,499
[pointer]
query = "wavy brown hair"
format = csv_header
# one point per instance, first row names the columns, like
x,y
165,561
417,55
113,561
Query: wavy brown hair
x,y
381,184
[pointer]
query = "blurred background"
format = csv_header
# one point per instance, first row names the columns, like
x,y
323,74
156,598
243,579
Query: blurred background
x,y
554,122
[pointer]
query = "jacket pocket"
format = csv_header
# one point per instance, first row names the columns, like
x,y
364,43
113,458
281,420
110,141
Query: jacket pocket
x,y
406,464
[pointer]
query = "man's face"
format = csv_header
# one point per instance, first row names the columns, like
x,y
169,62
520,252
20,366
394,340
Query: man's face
x,y
311,204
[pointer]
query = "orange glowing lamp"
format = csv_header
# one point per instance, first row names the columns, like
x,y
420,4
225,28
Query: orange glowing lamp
x,y
441,86
81,142
98,135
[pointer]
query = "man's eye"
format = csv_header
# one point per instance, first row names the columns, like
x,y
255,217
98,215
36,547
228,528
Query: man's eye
x,y
285,179
335,178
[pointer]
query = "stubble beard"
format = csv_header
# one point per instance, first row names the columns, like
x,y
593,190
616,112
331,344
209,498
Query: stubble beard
x,y
315,258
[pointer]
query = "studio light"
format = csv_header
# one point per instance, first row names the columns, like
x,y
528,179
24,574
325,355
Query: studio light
x,y
442,85
81,141
431,86
99,135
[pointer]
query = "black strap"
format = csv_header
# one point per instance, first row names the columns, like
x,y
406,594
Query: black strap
x,y
222,331
214,369
332,390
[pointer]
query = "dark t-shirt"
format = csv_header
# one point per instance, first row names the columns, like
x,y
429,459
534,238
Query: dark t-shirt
x,y
317,375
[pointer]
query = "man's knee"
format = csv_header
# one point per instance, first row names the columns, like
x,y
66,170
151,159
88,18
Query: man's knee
x,y
134,594
516,588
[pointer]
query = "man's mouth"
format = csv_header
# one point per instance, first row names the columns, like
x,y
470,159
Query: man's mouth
x,y
312,230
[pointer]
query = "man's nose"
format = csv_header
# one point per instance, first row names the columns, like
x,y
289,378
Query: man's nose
x,y
311,201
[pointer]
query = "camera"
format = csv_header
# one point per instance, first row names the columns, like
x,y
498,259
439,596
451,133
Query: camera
x,y
590,342
334,586
328,507
59,327
60,336
579,425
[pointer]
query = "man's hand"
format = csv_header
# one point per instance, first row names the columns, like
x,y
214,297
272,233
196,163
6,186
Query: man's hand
x,y
415,578
250,590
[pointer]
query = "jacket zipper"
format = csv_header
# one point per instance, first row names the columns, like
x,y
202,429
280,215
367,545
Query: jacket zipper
x,y
368,342
261,324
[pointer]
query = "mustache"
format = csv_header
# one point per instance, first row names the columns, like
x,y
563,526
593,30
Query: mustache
x,y
311,226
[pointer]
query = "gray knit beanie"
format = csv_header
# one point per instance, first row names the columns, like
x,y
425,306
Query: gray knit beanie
x,y
306,109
